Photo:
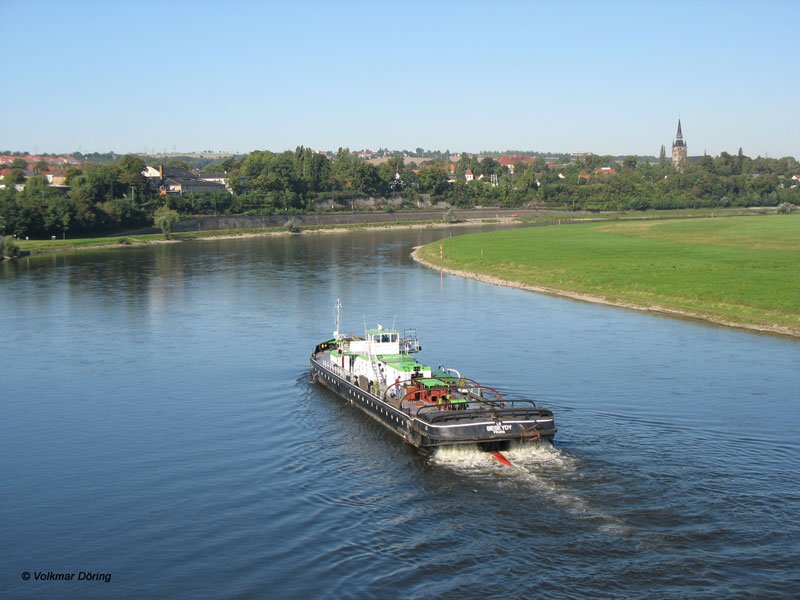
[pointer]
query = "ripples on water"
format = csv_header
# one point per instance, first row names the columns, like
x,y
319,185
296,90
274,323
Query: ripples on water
x,y
158,423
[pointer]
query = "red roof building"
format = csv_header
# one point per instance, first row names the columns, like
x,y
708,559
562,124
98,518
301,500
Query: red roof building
x,y
605,171
511,160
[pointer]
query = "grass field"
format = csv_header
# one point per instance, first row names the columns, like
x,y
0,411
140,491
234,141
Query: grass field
x,y
741,271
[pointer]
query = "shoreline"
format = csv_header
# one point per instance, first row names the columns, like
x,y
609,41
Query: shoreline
x,y
177,239
528,217
490,279
658,310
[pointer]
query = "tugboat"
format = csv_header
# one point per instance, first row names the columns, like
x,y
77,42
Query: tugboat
x,y
426,407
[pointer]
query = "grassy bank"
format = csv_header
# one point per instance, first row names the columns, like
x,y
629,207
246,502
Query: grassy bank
x,y
743,271
53,246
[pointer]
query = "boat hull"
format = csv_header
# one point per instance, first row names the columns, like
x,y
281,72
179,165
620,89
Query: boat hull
x,y
424,428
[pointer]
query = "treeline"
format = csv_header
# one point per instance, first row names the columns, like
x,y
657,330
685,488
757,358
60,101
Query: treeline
x,y
296,181
111,197
269,182
99,198
724,181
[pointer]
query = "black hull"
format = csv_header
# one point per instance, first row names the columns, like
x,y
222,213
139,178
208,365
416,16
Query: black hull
x,y
491,430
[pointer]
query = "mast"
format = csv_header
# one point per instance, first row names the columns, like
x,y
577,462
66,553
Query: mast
x,y
336,333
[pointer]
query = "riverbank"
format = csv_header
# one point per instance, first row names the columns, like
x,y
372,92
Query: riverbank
x,y
737,273
208,228
42,247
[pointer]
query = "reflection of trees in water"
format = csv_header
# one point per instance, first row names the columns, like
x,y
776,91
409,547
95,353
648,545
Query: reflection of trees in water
x,y
259,276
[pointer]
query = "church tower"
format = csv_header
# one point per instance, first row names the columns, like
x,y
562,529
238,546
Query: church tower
x,y
678,148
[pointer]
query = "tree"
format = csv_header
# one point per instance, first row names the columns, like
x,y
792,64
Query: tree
x,y
13,177
10,247
368,180
662,156
343,169
129,174
59,214
317,173
392,173
490,166
630,163
166,219
433,179
96,184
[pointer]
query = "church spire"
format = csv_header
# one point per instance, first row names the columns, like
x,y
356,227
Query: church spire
x,y
679,148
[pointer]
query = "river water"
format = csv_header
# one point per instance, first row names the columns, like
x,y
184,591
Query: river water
x,y
158,426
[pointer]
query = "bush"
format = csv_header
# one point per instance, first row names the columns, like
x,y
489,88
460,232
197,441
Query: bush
x,y
784,208
292,226
450,215
10,247
166,219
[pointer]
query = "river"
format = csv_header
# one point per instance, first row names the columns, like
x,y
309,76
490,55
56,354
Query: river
x,y
158,427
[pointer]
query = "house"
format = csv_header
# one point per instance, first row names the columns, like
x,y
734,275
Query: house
x,y
151,173
32,159
179,180
215,177
191,186
511,160
57,178
468,175
605,171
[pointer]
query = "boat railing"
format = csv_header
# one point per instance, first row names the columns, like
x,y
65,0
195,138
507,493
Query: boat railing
x,y
444,394
439,412
328,364
409,343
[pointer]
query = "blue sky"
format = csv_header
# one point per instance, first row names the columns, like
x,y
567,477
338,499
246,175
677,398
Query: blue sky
x,y
605,77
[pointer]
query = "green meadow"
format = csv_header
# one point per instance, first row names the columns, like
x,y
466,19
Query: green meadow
x,y
742,271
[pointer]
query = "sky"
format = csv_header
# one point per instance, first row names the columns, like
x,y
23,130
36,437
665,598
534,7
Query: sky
x,y
468,76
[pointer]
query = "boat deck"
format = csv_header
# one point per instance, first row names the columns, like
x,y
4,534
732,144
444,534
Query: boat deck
x,y
464,403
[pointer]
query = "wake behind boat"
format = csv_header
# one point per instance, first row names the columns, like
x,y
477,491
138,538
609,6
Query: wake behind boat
x,y
425,406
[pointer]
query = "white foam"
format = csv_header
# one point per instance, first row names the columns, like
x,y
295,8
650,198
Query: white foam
x,y
529,456
538,467
464,457
541,455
